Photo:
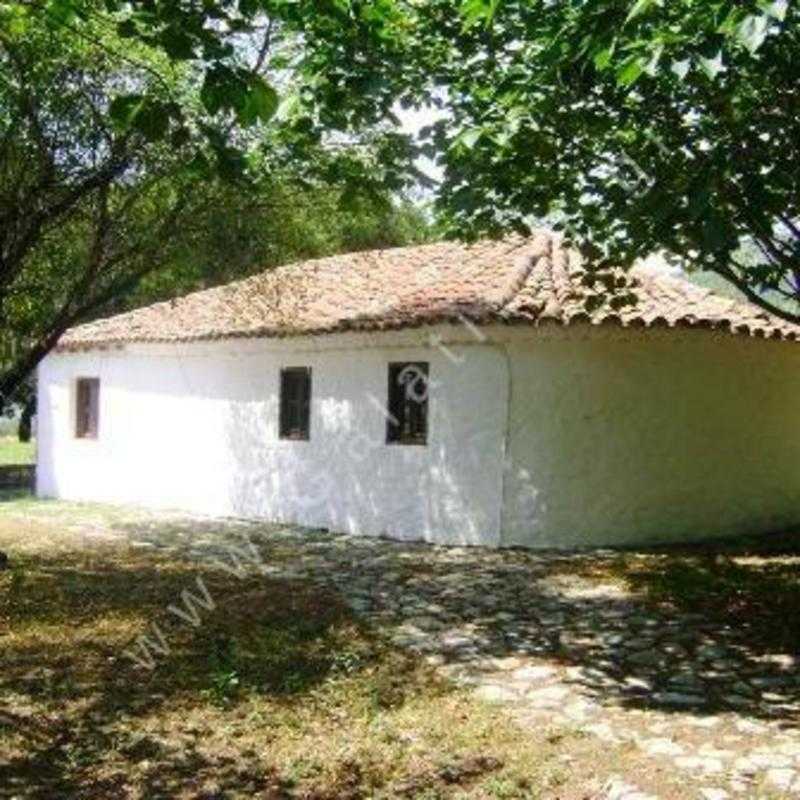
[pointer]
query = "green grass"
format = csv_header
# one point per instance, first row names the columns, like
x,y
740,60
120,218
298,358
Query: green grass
x,y
283,692
280,692
12,451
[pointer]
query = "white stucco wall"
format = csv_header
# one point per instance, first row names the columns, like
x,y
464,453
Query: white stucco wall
x,y
196,427
623,437
542,438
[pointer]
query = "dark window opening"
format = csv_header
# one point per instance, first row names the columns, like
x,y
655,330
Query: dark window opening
x,y
295,403
407,417
87,408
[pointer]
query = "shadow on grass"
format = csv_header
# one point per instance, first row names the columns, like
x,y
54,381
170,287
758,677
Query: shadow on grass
x,y
8,495
708,628
75,701
762,594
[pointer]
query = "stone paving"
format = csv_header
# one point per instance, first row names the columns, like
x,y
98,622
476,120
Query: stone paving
x,y
527,631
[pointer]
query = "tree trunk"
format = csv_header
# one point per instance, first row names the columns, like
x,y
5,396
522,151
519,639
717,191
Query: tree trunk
x,y
16,373
26,419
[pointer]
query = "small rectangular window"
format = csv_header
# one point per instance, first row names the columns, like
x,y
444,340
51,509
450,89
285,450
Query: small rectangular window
x,y
87,408
295,403
407,417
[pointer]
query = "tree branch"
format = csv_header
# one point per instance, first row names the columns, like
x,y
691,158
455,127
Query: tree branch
x,y
754,297
72,311
264,49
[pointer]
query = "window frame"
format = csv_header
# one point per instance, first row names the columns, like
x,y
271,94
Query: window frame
x,y
399,406
294,414
87,428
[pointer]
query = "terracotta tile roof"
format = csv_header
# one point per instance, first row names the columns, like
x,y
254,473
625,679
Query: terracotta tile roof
x,y
516,280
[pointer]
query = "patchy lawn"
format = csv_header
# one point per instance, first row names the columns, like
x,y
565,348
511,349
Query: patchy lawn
x,y
260,686
12,451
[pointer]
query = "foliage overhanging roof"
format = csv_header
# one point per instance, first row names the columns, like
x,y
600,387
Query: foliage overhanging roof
x,y
528,281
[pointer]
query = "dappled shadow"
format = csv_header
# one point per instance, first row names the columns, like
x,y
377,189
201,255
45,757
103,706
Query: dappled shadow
x,y
161,771
676,630
346,477
700,629
8,495
707,628
74,699
679,630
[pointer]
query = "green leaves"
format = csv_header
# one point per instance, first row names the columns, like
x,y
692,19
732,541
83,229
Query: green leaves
x,y
152,119
654,36
262,102
124,108
249,96
148,116
218,90
752,27
602,58
717,232
648,125
630,71
712,66
14,19
127,29
177,44
61,12
639,8
478,12
468,138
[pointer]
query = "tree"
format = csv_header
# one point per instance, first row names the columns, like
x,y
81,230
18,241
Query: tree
x,y
83,203
274,222
231,232
113,137
633,125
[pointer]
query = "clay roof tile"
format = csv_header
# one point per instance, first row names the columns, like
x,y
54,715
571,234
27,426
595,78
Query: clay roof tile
x,y
517,280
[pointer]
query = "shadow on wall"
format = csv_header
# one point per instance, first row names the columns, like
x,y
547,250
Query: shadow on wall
x,y
347,479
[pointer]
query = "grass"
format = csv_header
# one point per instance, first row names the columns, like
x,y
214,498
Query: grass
x,y
270,687
277,691
12,451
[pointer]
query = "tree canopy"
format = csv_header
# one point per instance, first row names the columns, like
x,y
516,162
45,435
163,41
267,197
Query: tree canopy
x,y
123,182
83,203
634,125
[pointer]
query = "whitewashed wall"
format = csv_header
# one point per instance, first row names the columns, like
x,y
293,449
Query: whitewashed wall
x,y
609,436
621,438
196,428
